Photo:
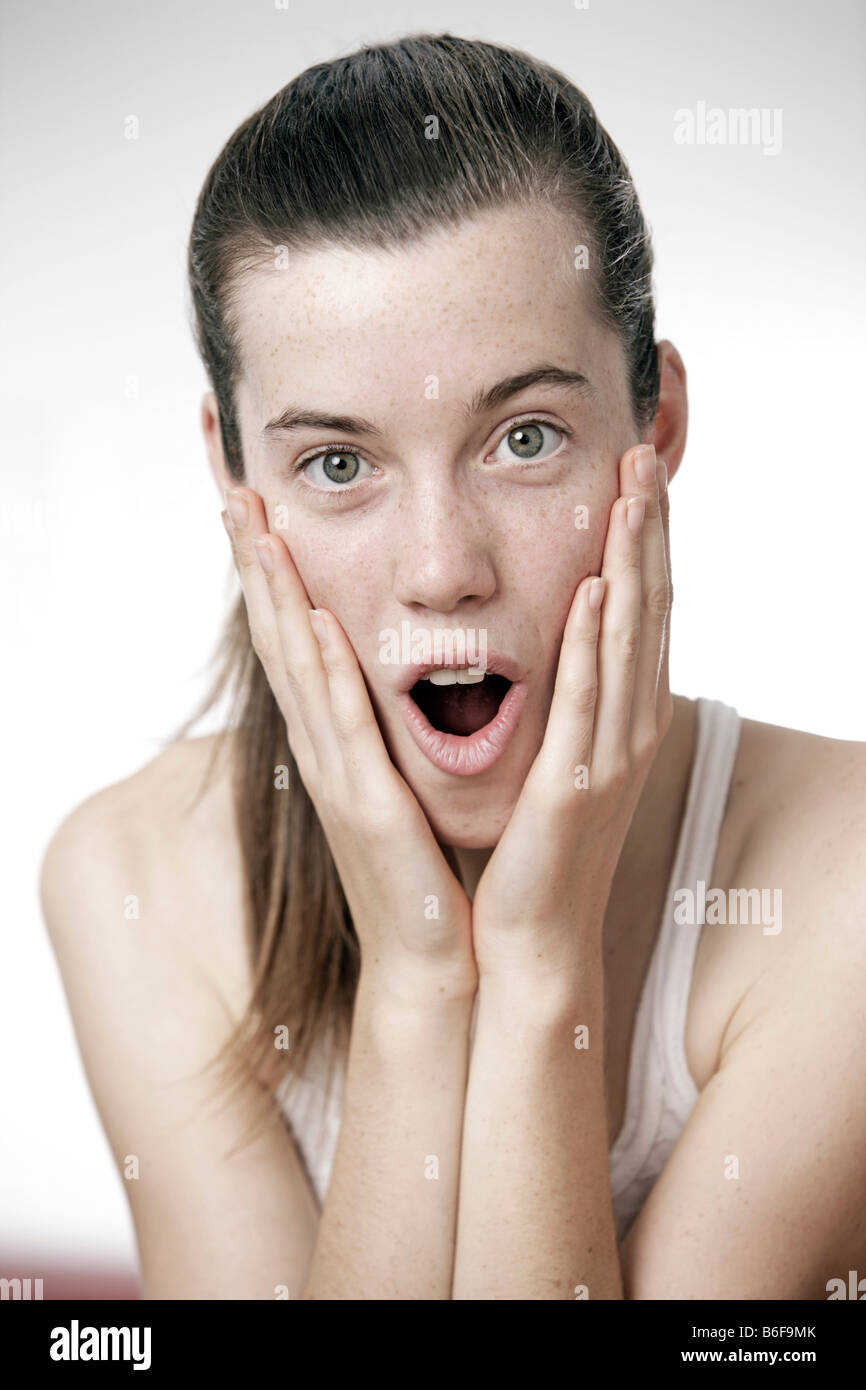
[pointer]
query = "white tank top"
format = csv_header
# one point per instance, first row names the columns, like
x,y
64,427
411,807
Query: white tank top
x,y
661,1092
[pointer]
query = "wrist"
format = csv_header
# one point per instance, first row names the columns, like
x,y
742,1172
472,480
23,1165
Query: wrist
x,y
545,975
416,988
403,1029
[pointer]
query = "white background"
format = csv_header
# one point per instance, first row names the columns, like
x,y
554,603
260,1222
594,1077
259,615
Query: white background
x,y
116,565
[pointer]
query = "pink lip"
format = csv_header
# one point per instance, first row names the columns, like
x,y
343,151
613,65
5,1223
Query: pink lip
x,y
464,757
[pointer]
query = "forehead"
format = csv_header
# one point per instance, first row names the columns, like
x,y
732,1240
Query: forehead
x,y
465,302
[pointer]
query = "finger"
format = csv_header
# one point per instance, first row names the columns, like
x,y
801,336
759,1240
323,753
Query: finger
x,y
299,651
251,524
364,754
641,469
566,752
619,640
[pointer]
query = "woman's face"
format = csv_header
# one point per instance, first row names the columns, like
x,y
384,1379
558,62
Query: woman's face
x,y
437,510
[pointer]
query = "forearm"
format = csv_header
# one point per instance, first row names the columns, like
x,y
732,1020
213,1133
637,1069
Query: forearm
x,y
535,1218
388,1226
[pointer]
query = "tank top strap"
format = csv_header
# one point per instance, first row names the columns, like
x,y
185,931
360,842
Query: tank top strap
x,y
658,1070
705,811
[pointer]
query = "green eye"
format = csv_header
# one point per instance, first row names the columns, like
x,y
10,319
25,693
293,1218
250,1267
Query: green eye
x,y
340,466
526,441
334,469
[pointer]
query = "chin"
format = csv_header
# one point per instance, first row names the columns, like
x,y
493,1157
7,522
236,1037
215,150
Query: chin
x,y
463,828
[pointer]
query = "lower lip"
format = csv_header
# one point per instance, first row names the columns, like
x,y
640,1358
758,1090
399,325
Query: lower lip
x,y
465,757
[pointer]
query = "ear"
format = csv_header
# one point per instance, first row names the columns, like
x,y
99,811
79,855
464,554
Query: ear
x,y
672,418
213,438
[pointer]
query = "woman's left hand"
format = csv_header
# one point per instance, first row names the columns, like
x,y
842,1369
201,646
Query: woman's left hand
x,y
540,903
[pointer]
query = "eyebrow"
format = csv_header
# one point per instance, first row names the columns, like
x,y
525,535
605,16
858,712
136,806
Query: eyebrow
x,y
487,398
545,375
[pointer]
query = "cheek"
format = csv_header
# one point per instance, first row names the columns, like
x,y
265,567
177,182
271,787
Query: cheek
x,y
339,572
564,544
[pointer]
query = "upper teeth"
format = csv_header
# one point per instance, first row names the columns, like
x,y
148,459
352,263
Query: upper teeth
x,y
447,676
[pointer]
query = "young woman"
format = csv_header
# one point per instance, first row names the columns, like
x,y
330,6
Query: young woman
x,y
531,980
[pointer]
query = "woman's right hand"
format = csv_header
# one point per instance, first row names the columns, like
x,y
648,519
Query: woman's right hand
x,y
393,871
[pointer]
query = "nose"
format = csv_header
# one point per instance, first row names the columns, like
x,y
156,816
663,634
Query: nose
x,y
444,555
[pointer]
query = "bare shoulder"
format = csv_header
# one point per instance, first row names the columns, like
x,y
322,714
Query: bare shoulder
x,y
800,801
159,848
141,893
778,1031
789,775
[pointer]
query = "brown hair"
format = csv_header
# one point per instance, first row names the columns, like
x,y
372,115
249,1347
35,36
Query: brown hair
x,y
344,155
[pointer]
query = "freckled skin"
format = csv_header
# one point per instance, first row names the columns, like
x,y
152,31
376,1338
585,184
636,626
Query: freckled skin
x,y
443,535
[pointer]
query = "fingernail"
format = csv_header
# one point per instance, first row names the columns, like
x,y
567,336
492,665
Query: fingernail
x,y
662,477
224,517
635,511
596,594
317,623
263,550
238,509
645,465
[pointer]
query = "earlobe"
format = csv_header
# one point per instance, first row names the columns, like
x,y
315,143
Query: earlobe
x,y
671,422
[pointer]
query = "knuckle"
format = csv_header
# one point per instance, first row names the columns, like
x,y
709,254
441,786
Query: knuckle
x,y
299,678
245,555
627,641
585,637
657,600
349,722
354,767
617,776
645,750
631,561
263,643
581,695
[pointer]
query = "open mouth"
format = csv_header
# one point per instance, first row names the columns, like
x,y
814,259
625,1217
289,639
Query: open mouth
x,y
458,708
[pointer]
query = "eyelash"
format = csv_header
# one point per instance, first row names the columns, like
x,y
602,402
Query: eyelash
x,y
344,448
